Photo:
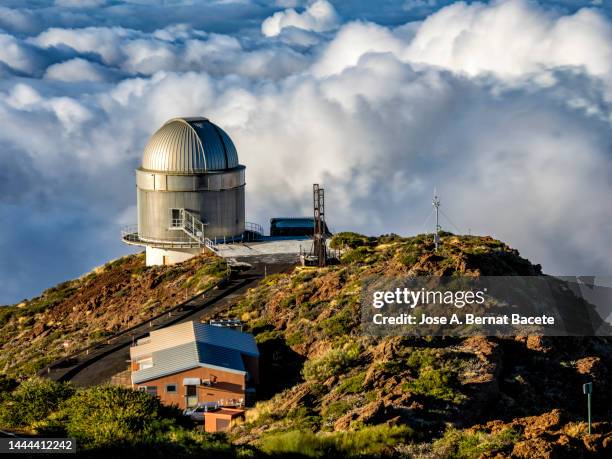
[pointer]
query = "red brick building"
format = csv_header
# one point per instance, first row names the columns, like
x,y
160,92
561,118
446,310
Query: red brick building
x,y
192,363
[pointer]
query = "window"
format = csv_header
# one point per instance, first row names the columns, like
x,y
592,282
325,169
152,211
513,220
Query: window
x,y
175,218
171,388
151,390
145,363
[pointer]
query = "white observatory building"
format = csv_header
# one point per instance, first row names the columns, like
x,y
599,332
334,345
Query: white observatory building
x,y
190,192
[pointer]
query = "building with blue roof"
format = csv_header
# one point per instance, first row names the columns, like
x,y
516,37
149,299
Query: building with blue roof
x,y
193,363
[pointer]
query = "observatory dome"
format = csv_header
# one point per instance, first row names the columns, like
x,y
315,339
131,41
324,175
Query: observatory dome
x,y
189,145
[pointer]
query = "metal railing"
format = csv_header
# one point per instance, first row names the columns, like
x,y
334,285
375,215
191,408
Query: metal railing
x,y
253,227
194,228
130,233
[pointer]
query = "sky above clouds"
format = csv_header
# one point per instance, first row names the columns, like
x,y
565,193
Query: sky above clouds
x,y
504,106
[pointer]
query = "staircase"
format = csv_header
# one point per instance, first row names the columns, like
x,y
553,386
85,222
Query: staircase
x,y
192,227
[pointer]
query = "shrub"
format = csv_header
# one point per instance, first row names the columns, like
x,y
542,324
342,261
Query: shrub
x,y
304,418
304,443
6,313
106,415
358,255
457,444
268,335
390,238
352,384
409,255
369,441
421,358
7,384
341,323
215,268
335,362
336,409
349,240
33,400
436,376
434,383
295,339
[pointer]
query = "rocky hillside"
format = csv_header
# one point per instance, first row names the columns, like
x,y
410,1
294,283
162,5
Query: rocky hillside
x,y
83,311
478,395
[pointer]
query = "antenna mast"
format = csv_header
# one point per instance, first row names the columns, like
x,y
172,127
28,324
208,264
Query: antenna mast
x,y
436,205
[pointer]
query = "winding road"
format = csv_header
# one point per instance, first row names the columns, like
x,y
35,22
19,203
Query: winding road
x,y
96,365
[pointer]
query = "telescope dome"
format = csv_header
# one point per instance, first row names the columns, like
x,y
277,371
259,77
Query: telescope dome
x,y
188,146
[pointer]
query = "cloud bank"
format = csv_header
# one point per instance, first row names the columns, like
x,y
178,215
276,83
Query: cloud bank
x,y
505,107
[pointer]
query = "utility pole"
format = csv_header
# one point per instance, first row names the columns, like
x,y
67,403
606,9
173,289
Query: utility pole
x,y
436,205
319,245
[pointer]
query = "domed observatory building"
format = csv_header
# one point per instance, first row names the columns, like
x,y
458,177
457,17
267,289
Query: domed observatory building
x,y
190,192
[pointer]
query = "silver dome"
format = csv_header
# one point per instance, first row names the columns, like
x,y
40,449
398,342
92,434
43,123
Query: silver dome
x,y
189,145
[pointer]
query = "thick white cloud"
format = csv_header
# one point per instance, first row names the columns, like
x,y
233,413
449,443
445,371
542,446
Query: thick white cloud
x,y
320,16
20,57
353,41
504,107
175,48
512,38
78,69
104,41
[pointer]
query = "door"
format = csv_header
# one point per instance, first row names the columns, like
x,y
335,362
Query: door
x,y
191,396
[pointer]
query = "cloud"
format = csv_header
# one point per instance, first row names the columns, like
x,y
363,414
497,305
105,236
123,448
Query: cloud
x,y
477,38
353,41
80,3
78,69
410,5
320,16
510,123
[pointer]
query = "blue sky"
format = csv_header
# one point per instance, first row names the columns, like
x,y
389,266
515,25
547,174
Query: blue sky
x,y
505,106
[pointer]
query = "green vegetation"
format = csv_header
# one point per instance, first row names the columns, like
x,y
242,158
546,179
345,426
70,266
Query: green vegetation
x,y
368,442
79,312
457,444
32,400
352,384
410,254
216,268
303,418
332,390
6,314
336,409
335,362
107,419
106,415
350,240
358,255
436,376
341,323
7,384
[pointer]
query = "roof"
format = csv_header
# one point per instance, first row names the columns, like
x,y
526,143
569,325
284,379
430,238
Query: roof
x,y
293,222
189,145
194,344
226,337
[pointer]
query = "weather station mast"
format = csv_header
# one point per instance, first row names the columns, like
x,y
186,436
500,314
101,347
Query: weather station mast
x,y
436,206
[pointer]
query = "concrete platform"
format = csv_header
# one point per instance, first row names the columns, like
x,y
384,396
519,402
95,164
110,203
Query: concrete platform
x,y
269,246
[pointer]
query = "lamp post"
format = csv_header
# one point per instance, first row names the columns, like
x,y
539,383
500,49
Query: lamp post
x,y
588,390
